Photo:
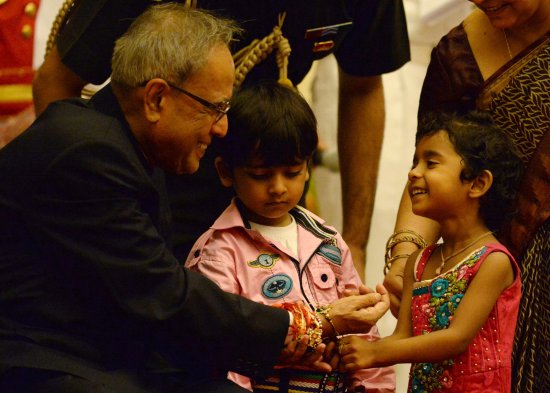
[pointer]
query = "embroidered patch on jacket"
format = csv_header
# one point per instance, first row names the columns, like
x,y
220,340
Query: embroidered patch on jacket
x,y
331,252
265,261
277,286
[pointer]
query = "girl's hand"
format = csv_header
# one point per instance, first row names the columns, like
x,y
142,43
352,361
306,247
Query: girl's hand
x,y
357,314
356,353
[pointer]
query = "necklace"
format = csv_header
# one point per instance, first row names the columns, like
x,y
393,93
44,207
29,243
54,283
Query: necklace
x,y
444,260
507,43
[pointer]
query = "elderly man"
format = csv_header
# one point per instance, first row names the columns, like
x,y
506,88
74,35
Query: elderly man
x,y
92,299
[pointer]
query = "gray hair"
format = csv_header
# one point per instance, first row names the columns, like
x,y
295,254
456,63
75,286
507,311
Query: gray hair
x,y
168,41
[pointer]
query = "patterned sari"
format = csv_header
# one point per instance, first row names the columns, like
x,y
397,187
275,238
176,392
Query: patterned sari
x,y
518,98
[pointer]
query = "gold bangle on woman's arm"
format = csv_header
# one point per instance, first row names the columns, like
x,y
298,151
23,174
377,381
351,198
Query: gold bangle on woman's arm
x,y
388,262
401,236
407,235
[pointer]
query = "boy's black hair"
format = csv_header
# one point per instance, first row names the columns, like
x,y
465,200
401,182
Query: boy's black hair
x,y
269,122
482,146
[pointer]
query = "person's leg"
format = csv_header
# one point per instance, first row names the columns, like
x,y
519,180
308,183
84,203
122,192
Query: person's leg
x,y
197,384
31,380
225,386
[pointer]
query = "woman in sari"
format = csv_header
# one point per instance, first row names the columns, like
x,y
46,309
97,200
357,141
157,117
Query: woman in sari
x,y
498,60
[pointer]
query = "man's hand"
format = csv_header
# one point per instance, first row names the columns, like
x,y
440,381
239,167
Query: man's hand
x,y
297,354
362,290
357,314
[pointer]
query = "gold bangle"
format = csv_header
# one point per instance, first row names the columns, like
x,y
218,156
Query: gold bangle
x,y
418,237
315,332
412,237
325,311
392,241
388,262
409,236
410,231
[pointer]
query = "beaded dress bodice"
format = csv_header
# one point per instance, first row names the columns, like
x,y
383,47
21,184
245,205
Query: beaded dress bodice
x,y
485,365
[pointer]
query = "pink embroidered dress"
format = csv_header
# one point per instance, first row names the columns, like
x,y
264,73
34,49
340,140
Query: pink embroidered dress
x,y
485,366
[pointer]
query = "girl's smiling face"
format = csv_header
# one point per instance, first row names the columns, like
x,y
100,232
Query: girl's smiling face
x,y
435,187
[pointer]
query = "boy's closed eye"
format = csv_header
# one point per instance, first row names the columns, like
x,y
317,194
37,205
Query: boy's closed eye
x,y
294,173
262,173
259,176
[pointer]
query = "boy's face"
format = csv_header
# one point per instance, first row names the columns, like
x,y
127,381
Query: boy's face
x,y
435,187
269,193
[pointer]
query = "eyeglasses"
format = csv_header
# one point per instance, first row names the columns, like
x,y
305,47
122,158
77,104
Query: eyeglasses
x,y
220,108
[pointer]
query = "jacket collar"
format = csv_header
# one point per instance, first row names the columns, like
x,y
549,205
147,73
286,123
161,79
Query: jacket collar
x,y
233,217
105,101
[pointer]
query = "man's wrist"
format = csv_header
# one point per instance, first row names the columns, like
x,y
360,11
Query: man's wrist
x,y
323,313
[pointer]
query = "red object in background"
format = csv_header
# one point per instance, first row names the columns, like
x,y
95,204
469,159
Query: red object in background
x,y
17,28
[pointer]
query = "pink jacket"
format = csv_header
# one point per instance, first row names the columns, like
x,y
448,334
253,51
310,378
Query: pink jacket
x,y
240,260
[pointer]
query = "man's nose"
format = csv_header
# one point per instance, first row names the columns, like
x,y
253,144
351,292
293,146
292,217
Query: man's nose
x,y
219,128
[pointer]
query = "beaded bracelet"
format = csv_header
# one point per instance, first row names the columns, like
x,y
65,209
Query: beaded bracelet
x,y
325,311
305,322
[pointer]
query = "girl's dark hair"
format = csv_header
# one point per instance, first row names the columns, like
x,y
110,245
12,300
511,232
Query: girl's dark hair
x,y
482,146
269,122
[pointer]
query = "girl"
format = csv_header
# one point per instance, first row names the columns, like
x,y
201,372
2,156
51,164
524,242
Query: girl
x,y
267,248
457,319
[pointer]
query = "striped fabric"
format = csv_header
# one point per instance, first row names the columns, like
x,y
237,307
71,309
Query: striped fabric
x,y
300,381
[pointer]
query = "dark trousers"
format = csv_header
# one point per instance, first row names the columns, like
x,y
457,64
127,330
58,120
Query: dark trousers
x,y
19,380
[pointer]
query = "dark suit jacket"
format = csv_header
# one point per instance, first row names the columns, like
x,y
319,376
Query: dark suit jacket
x,y
86,278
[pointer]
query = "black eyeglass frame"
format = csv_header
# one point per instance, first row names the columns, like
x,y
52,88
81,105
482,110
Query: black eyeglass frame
x,y
221,108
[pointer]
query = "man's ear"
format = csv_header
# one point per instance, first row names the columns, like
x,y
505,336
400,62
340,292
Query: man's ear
x,y
224,172
481,184
154,98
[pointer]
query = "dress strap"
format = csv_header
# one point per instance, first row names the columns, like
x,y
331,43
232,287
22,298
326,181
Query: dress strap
x,y
496,247
422,260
